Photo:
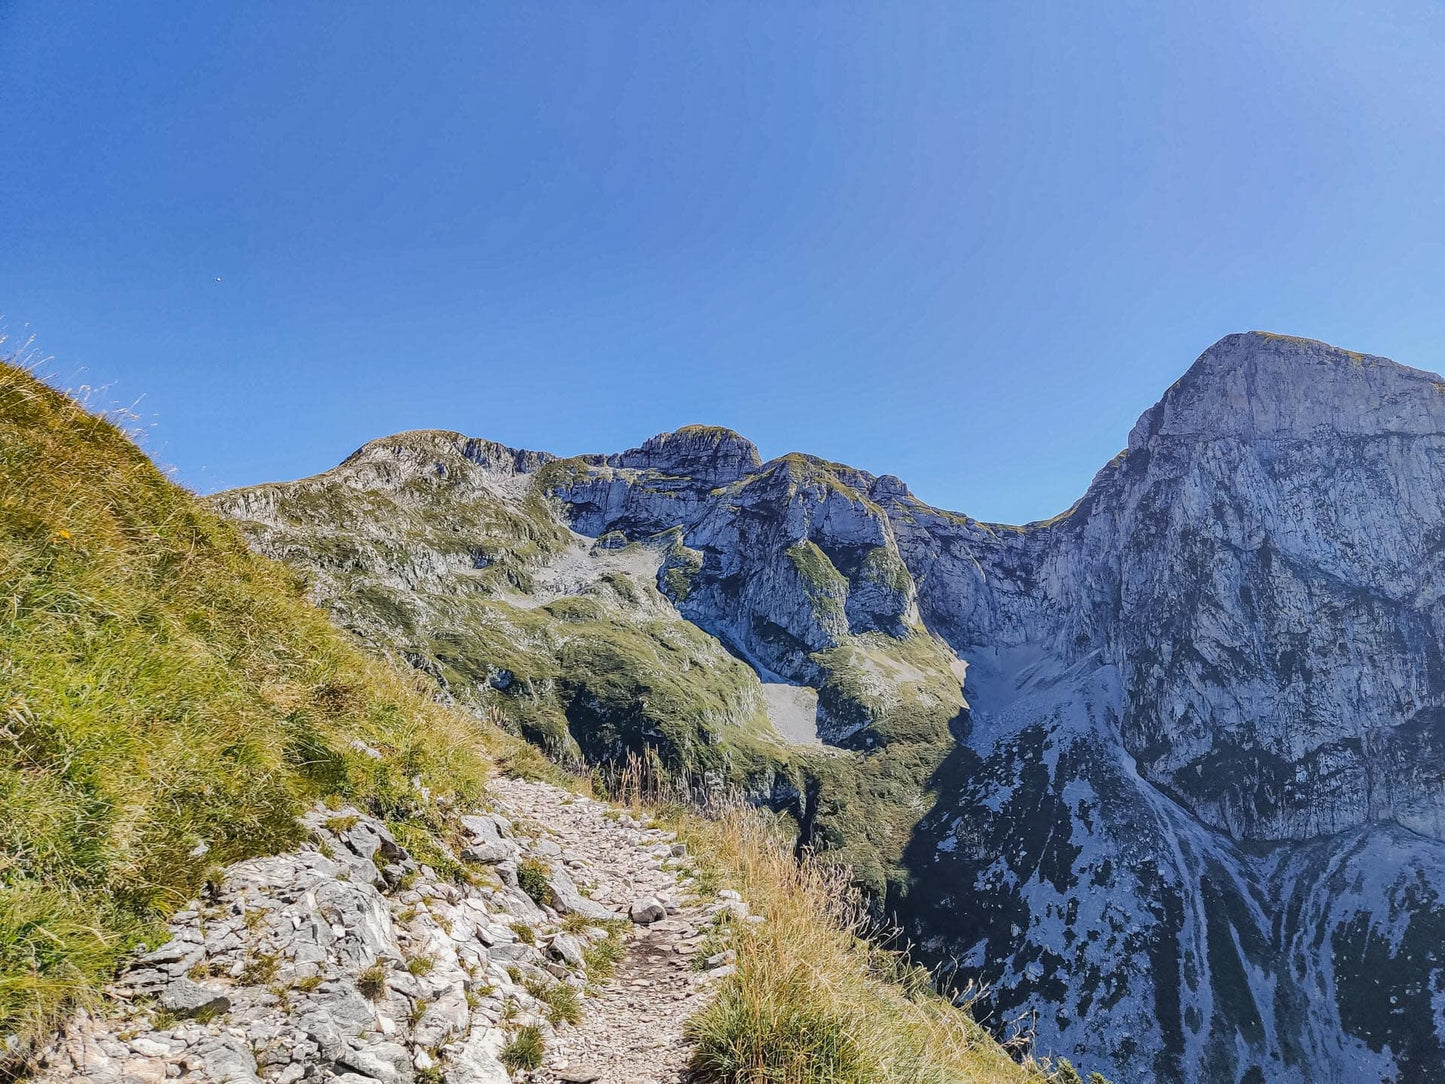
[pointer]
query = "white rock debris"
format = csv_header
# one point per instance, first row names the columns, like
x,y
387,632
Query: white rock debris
x,y
347,962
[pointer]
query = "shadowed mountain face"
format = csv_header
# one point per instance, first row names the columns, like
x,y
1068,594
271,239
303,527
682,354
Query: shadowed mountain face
x,y
1190,815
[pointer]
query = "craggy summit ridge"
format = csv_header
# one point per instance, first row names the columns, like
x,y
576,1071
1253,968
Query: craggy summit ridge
x,y
1190,812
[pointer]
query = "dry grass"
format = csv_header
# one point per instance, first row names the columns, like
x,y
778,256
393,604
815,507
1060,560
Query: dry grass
x,y
813,1001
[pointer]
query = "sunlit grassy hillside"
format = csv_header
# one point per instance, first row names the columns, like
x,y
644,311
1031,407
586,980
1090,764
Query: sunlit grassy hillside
x,y
168,702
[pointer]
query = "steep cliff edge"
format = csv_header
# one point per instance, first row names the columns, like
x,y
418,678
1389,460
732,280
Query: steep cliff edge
x,y
1189,813
1198,816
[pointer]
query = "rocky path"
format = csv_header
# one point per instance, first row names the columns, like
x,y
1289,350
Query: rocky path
x,y
633,1029
565,922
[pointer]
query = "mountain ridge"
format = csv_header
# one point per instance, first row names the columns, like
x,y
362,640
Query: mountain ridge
x,y
1206,689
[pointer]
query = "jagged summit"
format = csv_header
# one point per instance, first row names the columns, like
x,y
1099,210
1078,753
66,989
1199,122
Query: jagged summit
x,y
427,445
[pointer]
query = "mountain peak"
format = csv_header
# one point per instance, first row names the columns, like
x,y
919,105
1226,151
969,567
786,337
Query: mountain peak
x,y
1265,386
710,453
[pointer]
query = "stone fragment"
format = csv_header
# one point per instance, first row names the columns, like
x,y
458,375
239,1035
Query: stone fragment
x,y
186,998
568,949
568,900
646,910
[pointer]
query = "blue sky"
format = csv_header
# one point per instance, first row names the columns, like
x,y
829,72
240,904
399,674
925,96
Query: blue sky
x,y
962,243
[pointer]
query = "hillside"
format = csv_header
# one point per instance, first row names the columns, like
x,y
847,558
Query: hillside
x,y
1166,767
171,704
274,841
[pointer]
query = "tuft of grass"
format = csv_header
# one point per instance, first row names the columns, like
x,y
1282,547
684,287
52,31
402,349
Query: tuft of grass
x,y
525,933
532,877
420,965
526,762
1065,1073
372,981
524,1049
562,1002
261,968
602,957
809,1002
161,687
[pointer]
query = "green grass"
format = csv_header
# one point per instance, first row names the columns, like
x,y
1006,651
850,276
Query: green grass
x,y
602,957
372,981
161,688
562,1004
524,1050
532,878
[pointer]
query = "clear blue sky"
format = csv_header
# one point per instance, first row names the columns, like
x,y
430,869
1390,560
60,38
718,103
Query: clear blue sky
x,y
962,243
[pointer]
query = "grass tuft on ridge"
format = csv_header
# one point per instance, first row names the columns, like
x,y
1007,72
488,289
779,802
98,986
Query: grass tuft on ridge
x,y
168,703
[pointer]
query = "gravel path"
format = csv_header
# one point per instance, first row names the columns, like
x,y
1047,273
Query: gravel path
x,y
632,1032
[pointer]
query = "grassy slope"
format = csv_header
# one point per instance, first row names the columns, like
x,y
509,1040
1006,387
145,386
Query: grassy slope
x,y
812,1002
593,674
168,702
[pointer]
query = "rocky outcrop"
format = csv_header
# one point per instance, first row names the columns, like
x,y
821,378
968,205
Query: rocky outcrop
x,y
1212,667
701,455
351,962
1191,817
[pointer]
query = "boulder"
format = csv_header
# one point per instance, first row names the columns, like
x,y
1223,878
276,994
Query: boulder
x,y
568,900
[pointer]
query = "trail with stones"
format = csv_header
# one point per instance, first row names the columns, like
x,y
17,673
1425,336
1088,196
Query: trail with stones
x,y
353,961
633,1032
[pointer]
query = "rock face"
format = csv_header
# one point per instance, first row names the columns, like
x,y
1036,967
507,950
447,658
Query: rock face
x,y
1197,823
1190,816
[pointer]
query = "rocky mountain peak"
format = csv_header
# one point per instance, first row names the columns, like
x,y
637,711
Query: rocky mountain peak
x,y
711,454
1261,386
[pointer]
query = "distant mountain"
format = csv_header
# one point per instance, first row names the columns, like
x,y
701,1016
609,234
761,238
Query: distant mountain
x,y
1168,769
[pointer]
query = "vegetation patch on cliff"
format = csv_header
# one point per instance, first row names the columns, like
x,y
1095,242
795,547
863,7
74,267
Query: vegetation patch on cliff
x,y
813,1000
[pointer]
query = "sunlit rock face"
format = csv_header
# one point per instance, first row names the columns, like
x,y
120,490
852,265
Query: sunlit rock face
x,y
1264,568
1191,820
1196,825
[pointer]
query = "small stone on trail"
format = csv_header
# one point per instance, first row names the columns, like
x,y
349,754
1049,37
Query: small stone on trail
x,y
647,910
578,1074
